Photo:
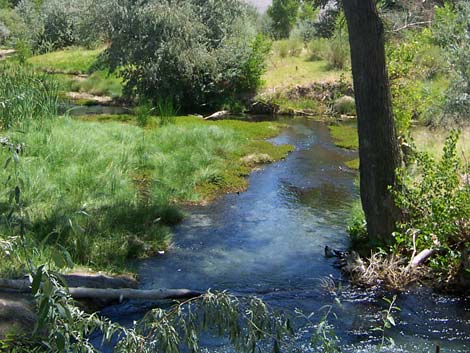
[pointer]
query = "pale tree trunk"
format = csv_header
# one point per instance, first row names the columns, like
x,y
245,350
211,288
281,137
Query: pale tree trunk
x,y
378,146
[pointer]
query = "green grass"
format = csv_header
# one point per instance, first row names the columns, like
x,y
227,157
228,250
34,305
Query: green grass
x,y
432,141
304,104
75,61
71,60
99,83
345,135
108,192
25,96
297,70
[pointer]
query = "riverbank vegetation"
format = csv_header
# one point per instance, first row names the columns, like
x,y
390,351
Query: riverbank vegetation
x,y
107,192
99,191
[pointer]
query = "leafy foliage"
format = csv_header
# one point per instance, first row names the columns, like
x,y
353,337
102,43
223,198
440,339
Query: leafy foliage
x,y
199,56
451,30
435,202
284,16
12,27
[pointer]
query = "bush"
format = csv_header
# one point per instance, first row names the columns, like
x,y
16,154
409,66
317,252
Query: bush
x,y
317,49
451,30
25,96
199,55
337,54
55,24
12,27
435,202
289,47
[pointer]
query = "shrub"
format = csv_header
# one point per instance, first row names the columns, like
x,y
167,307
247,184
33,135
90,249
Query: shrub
x,y
289,47
317,49
198,55
435,202
12,27
55,24
451,31
25,96
345,105
337,53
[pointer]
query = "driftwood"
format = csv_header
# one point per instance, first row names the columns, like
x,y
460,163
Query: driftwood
x,y
24,286
219,115
421,257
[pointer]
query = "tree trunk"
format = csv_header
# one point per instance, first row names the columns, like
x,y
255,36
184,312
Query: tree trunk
x,y
378,146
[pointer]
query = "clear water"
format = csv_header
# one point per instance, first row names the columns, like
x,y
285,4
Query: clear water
x,y
269,242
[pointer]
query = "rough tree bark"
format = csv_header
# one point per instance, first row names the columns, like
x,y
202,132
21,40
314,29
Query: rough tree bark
x,y
378,146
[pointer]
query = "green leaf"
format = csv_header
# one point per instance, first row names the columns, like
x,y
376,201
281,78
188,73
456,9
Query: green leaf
x,y
17,194
37,279
59,259
7,163
391,320
60,342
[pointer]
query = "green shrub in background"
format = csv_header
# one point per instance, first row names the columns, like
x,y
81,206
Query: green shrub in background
x,y
25,96
451,30
12,27
317,49
337,53
200,54
289,47
414,64
435,201
56,24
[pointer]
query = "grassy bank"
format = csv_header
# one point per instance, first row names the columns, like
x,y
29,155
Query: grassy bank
x,y
108,192
291,69
291,66
76,70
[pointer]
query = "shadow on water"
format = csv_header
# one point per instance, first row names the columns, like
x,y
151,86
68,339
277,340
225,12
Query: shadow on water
x,y
269,242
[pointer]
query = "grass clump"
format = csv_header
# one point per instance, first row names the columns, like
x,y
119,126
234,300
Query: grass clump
x,y
25,96
345,136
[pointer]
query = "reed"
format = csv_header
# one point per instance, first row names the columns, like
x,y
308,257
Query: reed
x,y
25,96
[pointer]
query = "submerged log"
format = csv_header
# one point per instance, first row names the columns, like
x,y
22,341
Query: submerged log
x,y
24,286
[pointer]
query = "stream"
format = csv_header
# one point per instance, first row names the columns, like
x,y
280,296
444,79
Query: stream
x,y
269,242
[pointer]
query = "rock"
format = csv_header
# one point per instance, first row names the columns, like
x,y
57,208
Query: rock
x,y
16,314
257,158
89,98
345,105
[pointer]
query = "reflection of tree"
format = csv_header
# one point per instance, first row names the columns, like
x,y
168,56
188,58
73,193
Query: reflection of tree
x,y
325,196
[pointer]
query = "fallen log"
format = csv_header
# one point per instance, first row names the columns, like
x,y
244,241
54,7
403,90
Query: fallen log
x,y
421,257
126,293
24,286
219,115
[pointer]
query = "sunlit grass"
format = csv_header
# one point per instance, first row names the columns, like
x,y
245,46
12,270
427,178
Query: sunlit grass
x,y
71,60
345,135
292,70
107,192
432,141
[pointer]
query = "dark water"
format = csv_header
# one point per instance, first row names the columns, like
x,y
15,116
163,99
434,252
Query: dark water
x,y
269,242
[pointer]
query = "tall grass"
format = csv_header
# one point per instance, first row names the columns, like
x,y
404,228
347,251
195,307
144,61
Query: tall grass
x,y
107,192
25,96
166,110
